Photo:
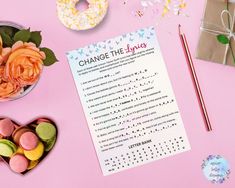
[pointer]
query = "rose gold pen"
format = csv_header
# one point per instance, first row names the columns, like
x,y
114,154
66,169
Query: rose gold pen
x,y
195,80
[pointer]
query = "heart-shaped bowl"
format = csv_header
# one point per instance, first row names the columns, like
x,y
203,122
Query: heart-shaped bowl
x,y
25,90
22,148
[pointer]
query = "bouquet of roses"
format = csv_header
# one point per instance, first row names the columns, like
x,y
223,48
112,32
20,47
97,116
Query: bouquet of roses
x,y
21,60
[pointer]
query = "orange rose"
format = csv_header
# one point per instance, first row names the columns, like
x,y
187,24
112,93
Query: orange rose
x,y
24,64
7,89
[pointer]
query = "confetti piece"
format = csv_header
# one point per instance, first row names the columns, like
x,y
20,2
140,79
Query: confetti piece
x,y
167,6
139,13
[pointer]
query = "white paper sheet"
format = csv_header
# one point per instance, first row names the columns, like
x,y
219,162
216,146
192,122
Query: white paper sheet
x,y
128,101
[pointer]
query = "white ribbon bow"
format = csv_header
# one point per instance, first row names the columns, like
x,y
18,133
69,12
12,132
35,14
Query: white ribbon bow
x,y
229,30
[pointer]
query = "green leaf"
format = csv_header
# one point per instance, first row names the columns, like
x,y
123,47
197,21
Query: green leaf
x,y
8,30
223,39
22,35
36,38
6,39
50,56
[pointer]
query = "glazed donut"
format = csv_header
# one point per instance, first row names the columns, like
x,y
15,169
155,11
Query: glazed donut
x,y
81,20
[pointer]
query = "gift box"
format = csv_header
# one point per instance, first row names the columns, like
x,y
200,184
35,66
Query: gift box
x,y
217,37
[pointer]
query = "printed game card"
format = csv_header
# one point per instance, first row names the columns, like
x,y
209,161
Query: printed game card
x,y
128,101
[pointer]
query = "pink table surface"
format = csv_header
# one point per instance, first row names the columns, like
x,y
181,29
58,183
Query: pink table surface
x,y
73,162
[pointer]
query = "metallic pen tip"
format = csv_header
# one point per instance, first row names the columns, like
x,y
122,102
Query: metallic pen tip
x,y
179,27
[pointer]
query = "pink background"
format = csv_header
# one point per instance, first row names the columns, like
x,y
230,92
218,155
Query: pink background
x,y
73,162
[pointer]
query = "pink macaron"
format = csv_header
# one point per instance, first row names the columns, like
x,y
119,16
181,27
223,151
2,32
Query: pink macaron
x,y
28,141
6,127
41,120
19,163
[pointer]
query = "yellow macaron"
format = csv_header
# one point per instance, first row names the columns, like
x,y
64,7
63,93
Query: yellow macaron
x,y
20,150
36,153
32,164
